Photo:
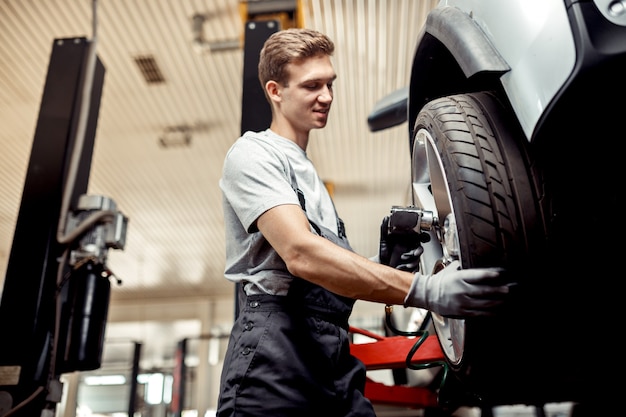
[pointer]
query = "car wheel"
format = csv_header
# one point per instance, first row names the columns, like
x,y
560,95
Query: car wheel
x,y
471,167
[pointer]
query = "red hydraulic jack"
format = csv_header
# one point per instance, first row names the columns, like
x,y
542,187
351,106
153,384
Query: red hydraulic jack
x,y
392,352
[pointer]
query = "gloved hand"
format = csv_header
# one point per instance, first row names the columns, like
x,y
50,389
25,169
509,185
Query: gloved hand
x,y
410,261
400,251
458,293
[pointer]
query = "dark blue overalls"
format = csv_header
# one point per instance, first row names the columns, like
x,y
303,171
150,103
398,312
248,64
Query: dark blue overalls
x,y
289,356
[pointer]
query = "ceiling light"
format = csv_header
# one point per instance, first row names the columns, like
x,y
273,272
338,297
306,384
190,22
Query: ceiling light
x,y
105,380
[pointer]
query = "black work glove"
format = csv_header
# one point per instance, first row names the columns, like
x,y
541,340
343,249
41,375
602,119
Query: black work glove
x,y
400,250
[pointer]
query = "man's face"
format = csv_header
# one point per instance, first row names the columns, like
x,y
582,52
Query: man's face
x,y
307,98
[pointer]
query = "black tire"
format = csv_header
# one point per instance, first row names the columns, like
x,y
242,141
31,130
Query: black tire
x,y
471,164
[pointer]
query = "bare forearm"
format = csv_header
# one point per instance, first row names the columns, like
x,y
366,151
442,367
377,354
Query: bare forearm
x,y
322,262
346,273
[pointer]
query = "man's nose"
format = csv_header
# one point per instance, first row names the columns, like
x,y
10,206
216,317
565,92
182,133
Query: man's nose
x,y
326,95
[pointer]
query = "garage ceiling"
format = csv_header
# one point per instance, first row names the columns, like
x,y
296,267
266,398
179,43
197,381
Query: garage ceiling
x,y
170,194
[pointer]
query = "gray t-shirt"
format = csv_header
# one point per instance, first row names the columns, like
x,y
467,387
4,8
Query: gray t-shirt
x,y
257,176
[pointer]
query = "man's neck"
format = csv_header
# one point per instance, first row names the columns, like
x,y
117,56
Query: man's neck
x,y
299,138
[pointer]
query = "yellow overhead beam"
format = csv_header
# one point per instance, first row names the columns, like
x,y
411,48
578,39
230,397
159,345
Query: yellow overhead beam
x,y
288,13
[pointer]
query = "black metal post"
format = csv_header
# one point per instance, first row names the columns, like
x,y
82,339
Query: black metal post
x,y
180,380
132,399
256,113
29,298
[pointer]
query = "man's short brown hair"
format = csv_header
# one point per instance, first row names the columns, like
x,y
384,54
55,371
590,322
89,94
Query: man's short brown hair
x,y
287,46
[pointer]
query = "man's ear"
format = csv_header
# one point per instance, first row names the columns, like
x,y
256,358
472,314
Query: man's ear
x,y
273,90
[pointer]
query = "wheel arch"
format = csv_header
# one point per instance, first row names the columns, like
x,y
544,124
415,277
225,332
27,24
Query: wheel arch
x,y
453,55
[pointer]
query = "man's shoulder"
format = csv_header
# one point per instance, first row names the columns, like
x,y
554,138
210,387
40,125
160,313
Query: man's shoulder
x,y
259,145
255,153
251,134
249,144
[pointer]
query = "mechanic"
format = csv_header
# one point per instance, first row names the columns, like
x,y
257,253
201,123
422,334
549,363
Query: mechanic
x,y
289,353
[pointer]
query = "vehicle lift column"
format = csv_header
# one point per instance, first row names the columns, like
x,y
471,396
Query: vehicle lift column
x,y
261,19
48,325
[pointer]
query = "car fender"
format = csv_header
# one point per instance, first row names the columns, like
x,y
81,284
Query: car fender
x,y
451,53
468,47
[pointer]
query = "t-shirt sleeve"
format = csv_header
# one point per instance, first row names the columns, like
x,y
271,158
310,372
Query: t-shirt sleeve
x,y
255,178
